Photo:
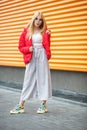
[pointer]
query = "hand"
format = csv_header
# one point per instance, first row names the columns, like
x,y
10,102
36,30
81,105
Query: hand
x,y
48,31
31,49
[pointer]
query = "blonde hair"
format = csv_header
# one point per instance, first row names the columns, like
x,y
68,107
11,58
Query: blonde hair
x,y
30,26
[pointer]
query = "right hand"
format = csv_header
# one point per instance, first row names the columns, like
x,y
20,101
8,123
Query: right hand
x,y
31,49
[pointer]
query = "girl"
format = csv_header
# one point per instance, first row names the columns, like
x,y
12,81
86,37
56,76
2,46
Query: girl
x,y
34,44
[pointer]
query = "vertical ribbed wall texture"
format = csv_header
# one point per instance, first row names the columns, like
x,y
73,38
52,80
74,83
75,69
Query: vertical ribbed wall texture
x,y
67,20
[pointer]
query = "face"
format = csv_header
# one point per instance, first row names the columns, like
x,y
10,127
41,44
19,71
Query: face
x,y
38,21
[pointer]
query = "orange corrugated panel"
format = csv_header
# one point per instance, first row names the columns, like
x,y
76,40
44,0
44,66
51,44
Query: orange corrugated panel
x,y
67,21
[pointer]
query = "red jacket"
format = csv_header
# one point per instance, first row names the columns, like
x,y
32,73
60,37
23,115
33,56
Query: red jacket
x,y
25,43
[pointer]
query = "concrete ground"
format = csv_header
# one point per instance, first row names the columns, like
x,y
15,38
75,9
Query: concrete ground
x,y
63,114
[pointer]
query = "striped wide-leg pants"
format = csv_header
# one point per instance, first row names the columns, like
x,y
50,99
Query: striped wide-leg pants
x,y
37,80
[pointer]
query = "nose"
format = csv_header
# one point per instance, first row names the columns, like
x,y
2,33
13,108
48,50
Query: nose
x,y
37,20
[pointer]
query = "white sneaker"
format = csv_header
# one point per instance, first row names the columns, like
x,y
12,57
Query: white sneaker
x,y
18,109
42,109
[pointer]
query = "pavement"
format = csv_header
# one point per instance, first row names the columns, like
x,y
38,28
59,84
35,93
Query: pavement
x,y
63,114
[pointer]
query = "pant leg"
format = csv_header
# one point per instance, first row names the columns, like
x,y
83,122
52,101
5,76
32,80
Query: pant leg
x,y
29,85
43,76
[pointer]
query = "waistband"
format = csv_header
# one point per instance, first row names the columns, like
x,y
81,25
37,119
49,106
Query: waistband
x,y
37,46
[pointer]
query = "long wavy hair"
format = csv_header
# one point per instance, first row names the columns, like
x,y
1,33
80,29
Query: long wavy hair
x,y
30,25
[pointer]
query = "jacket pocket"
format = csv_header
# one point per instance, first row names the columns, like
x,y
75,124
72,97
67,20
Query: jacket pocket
x,y
27,58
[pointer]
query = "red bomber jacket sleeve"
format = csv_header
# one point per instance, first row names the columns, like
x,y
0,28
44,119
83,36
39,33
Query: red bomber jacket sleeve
x,y
22,46
46,41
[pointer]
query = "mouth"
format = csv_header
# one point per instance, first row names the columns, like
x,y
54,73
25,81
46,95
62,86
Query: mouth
x,y
37,24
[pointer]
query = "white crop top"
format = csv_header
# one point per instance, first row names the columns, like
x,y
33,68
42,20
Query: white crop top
x,y
37,39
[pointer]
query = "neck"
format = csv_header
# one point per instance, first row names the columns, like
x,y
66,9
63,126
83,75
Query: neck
x,y
36,30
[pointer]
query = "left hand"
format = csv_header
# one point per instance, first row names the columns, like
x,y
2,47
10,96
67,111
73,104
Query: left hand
x,y
48,31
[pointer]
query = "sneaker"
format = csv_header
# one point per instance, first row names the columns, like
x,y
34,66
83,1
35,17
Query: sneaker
x,y
18,109
42,109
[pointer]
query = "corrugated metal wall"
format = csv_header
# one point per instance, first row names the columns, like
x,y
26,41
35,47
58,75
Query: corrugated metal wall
x,y
67,20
